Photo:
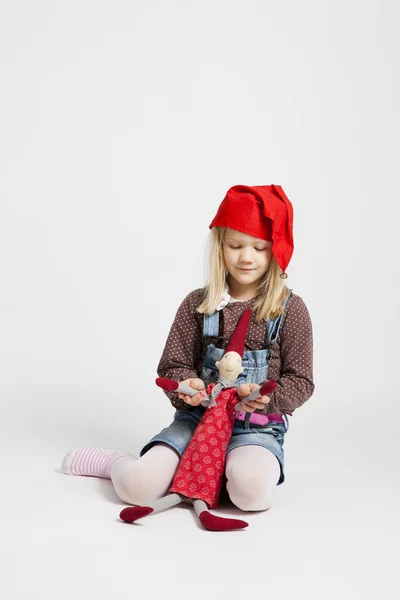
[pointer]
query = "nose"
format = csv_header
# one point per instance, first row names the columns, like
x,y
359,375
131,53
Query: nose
x,y
246,256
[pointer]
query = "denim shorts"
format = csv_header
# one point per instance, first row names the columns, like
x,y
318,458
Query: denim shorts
x,y
179,433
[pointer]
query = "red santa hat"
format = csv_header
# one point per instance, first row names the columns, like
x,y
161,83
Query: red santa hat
x,y
238,338
263,211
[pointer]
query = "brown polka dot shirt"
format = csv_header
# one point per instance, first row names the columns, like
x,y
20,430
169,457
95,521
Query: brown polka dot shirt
x,y
291,356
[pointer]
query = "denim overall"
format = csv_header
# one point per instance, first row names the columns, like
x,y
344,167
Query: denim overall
x,y
255,363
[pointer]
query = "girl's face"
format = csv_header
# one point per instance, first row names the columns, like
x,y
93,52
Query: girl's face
x,y
247,258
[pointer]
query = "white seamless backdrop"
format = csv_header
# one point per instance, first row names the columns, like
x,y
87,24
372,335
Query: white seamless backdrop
x,y
122,126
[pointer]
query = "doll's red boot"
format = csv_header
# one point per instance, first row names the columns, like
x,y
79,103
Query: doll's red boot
x,y
133,513
213,523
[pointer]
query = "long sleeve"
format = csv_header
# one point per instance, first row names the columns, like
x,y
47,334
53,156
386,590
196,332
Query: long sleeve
x,y
182,354
295,384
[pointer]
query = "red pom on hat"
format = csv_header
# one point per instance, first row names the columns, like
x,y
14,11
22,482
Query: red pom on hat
x,y
238,338
263,211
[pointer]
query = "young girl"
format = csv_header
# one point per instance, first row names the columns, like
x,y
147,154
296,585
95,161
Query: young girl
x,y
251,244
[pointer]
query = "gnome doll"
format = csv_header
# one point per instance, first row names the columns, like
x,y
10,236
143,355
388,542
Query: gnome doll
x,y
200,472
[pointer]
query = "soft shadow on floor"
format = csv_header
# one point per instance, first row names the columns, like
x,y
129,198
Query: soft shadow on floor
x,y
105,489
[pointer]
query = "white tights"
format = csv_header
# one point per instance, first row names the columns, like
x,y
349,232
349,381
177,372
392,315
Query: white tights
x,y
252,474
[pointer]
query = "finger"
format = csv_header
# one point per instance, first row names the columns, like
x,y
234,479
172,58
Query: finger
x,y
243,390
192,400
253,386
256,405
247,408
262,400
197,385
201,393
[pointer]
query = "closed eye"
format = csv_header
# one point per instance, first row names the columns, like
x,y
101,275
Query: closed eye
x,y
238,248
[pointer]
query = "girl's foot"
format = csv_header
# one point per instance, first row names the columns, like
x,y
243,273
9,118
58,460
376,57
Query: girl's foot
x,y
92,462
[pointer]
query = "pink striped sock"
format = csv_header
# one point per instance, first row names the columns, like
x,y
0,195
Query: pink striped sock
x,y
93,462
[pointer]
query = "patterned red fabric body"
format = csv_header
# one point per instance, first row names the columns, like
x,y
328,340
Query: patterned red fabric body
x,y
200,471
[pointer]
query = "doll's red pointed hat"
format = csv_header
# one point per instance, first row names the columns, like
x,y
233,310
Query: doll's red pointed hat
x,y
263,211
238,338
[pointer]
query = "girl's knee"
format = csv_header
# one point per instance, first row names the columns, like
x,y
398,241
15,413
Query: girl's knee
x,y
250,494
129,486
249,501
142,481
255,497
248,489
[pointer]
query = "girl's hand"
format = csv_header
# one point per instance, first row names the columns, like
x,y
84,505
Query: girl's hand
x,y
196,384
244,390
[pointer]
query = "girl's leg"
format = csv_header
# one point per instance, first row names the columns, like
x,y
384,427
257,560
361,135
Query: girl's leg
x,y
252,474
142,480
136,481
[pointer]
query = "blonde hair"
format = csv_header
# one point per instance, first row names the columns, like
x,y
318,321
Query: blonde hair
x,y
272,289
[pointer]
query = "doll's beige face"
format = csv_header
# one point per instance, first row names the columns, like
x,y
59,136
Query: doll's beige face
x,y
230,365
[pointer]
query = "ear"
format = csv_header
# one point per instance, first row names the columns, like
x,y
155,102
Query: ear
x,y
217,364
241,370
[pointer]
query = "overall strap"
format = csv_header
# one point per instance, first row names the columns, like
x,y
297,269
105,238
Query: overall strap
x,y
211,325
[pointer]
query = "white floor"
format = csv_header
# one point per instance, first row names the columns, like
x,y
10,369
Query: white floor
x,y
332,533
